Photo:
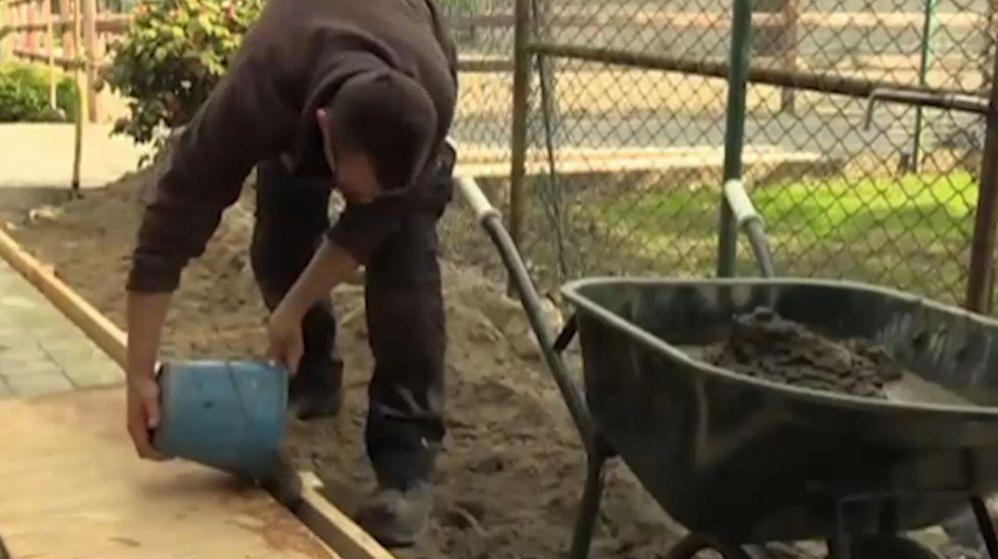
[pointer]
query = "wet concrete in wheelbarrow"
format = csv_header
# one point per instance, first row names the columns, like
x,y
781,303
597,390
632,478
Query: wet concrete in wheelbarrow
x,y
764,345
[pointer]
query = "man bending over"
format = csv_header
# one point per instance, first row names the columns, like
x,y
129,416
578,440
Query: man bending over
x,y
346,94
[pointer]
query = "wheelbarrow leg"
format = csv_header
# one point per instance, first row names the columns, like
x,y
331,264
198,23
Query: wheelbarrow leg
x,y
987,527
585,523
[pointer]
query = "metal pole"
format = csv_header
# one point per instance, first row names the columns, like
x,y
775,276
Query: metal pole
x,y
810,81
734,135
791,13
521,93
979,280
923,68
989,41
549,115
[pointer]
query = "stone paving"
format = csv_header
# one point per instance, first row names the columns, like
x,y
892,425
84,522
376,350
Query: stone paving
x,y
41,351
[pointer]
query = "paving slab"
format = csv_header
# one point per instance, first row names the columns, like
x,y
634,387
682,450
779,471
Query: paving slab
x,y
41,351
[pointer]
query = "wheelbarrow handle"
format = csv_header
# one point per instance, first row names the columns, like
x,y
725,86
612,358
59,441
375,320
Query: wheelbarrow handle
x,y
490,220
473,194
751,223
740,203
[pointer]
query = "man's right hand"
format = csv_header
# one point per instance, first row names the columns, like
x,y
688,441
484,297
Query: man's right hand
x,y
143,413
146,314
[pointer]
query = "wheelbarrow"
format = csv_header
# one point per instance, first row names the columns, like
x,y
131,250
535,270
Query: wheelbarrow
x,y
741,461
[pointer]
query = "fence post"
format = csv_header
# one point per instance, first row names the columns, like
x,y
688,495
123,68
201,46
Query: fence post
x,y
90,57
12,39
521,93
982,248
66,24
791,10
31,37
925,54
4,22
990,37
22,17
552,190
734,134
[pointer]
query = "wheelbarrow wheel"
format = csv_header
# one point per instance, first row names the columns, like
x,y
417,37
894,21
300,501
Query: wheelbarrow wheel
x,y
692,544
887,546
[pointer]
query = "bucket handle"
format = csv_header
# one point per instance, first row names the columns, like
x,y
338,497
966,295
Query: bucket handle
x,y
490,220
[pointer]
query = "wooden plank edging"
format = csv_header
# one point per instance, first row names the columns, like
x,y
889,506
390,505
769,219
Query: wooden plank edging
x,y
332,526
326,521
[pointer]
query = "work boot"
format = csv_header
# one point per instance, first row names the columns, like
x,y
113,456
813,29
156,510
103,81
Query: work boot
x,y
317,390
395,517
310,401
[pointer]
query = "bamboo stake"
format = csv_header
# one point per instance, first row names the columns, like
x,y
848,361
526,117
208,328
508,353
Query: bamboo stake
x,y
50,44
90,46
81,105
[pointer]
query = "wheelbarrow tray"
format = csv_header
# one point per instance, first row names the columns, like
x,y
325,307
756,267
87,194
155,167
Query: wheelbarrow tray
x,y
749,460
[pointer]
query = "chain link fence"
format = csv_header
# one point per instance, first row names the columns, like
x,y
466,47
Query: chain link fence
x,y
625,135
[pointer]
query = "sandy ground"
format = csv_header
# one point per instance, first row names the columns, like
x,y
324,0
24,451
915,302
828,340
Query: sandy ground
x,y
512,470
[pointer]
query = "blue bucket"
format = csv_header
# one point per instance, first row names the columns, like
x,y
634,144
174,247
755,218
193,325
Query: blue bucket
x,y
230,415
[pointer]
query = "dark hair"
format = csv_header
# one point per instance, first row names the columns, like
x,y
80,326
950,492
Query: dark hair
x,y
389,117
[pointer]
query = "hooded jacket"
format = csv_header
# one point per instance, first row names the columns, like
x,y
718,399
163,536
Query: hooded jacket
x,y
290,63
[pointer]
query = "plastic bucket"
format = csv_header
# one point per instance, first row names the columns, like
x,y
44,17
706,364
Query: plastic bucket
x,y
230,415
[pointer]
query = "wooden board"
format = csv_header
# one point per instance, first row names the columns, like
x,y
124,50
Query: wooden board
x,y
71,487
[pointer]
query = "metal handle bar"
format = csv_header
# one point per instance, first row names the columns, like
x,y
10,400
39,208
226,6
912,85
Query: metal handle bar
x,y
951,101
752,224
475,198
490,220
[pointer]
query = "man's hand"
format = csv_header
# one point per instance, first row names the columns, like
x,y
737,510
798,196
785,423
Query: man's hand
x,y
146,314
286,344
143,412
329,266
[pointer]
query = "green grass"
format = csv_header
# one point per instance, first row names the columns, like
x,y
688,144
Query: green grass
x,y
912,232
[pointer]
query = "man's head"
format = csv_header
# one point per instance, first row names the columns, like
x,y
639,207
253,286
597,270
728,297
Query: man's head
x,y
377,132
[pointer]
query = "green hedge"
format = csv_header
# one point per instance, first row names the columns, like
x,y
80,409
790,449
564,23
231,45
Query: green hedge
x,y
24,95
170,58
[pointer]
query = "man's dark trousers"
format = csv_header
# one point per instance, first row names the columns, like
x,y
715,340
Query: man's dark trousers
x,y
405,314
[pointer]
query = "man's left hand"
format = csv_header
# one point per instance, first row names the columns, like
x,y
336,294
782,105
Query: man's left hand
x,y
329,266
286,344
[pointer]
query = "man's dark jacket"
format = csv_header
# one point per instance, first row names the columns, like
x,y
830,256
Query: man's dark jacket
x,y
290,64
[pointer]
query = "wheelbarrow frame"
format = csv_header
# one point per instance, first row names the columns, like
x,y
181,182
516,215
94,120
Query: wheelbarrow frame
x,y
598,451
